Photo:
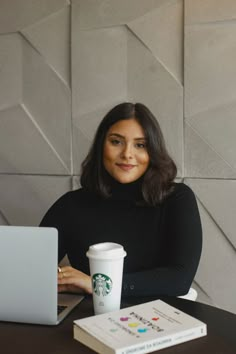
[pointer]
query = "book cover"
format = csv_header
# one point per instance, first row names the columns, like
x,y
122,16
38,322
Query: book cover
x,y
138,329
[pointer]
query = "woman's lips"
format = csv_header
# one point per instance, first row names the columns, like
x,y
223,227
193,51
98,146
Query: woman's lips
x,y
125,167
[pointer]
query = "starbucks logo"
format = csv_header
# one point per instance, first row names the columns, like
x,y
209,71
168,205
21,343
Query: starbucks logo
x,y
102,284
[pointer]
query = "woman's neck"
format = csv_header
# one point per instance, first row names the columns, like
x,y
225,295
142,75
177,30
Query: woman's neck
x,y
127,191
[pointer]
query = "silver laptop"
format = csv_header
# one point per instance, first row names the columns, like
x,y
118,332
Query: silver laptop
x,y
28,276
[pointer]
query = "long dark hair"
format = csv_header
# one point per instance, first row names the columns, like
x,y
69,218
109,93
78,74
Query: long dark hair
x,y
157,180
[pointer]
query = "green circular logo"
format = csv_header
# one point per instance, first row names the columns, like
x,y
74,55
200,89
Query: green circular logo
x,y
102,284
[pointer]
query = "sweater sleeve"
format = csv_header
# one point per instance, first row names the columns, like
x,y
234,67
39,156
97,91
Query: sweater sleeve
x,y
181,251
55,217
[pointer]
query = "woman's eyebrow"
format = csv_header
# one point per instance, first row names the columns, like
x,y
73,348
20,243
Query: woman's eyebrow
x,y
123,137
116,134
143,138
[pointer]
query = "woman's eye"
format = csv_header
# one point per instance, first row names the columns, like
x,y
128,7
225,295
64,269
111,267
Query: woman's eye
x,y
115,142
141,145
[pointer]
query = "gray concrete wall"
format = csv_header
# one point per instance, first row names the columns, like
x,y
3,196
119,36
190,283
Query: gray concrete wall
x,y
64,64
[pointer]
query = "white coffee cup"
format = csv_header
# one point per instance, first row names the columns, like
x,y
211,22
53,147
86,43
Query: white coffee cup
x,y
106,262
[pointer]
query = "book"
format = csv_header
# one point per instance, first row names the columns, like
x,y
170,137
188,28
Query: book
x,y
139,329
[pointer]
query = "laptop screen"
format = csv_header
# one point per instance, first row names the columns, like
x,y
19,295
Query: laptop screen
x,y
28,273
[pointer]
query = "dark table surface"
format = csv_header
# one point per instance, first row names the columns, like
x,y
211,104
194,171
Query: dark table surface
x,y
24,338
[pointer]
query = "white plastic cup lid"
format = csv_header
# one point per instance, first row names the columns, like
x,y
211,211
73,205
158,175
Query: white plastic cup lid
x,y
106,250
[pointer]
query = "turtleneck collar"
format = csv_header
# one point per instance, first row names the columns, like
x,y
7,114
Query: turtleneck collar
x,y
127,191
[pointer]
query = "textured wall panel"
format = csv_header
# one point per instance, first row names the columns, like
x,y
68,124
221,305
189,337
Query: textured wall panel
x,y
92,14
200,11
26,12
210,126
55,30
202,295
209,144
217,127
11,70
23,148
219,198
3,220
216,273
103,76
47,99
159,27
35,108
29,89
25,199
203,159
210,70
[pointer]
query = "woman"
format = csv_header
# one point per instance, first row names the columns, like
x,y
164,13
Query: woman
x,y
128,196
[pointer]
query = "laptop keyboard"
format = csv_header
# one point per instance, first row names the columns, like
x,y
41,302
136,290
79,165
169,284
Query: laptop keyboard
x,y
60,308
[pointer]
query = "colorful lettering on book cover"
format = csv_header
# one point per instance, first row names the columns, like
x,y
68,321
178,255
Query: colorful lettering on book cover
x,y
142,325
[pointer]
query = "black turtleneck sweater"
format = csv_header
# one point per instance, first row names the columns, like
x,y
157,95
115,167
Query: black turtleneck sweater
x,y
163,243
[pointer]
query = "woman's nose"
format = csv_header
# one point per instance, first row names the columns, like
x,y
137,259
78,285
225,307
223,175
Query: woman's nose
x,y
127,151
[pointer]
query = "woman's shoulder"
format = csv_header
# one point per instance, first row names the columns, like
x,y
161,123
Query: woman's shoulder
x,y
64,205
77,195
180,191
181,187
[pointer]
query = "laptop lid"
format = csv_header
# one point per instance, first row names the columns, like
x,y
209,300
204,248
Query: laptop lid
x,y
28,274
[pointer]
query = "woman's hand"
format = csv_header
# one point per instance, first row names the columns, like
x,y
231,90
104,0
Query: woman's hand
x,y
74,281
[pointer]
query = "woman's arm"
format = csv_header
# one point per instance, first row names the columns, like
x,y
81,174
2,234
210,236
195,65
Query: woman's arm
x,y
181,250
56,216
69,279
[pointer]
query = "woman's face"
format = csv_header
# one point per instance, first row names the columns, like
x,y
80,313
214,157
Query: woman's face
x,y
125,155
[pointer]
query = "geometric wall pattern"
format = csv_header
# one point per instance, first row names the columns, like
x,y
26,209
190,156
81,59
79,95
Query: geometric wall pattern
x,y
63,64
209,140
132,70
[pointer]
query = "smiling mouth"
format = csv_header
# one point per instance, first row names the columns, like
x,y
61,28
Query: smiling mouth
x,y
125,167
